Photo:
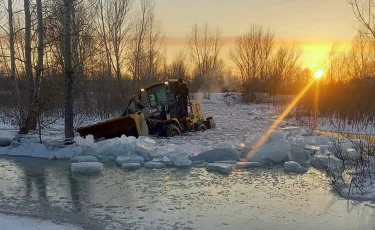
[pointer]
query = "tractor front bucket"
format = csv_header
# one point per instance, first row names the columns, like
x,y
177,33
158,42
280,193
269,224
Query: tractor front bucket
x,y
129,125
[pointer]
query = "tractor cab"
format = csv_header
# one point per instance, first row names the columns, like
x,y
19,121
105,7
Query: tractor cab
x,y
162,96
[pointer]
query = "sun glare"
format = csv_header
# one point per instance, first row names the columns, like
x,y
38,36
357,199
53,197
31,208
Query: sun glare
x,y
318,74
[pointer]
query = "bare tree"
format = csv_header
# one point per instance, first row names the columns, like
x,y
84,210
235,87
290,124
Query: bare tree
x,y
205,45
252,53
364,12
283,67
179,66
13,61
155,44
68,70
138,47
30,122
114,27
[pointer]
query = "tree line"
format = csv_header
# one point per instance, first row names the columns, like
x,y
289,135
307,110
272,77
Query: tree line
x,y
347,90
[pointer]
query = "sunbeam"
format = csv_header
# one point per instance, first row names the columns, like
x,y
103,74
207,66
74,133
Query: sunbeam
x,y
278,120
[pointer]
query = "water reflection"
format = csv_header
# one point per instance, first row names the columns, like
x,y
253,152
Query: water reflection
x,y
38,178
74,192
180,194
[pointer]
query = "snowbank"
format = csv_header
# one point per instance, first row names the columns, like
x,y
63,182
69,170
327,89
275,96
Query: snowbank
x,y
26,147
86,167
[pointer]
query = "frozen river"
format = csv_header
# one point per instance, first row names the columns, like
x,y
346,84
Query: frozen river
x,y
262,198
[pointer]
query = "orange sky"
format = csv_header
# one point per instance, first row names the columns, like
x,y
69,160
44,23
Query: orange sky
x,y
314,50
314,24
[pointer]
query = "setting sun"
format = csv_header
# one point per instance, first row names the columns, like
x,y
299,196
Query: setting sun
x,y
318,74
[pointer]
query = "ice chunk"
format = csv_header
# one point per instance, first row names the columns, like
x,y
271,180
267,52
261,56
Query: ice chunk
x,y
227,162
220,168
88,141
323,140
66,153
85,159
164,150
297,141
106,158
291,166
163,159
312,149
129,159
154,165
327,162
217,154
302,169
199,164
86,167
112,147
246,165
277,152
181,159
323,149
131,166
87,144
143,148
276,136
299,155
310,140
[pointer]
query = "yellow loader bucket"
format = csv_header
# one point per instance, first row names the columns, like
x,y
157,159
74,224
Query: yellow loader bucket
x,y
130,125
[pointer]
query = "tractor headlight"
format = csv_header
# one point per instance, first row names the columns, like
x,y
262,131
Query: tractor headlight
x,y
166,83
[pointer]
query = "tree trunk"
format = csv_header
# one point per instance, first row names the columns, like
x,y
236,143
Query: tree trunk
x,y
39,65
31,121
13,63
69,132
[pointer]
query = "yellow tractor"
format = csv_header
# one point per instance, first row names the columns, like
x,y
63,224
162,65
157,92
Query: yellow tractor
x,y
155,111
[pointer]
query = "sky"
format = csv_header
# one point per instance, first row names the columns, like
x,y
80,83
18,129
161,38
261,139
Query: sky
x,y
314,24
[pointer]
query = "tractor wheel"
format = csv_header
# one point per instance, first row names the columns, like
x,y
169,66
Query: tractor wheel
x,y
200,127
172,130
